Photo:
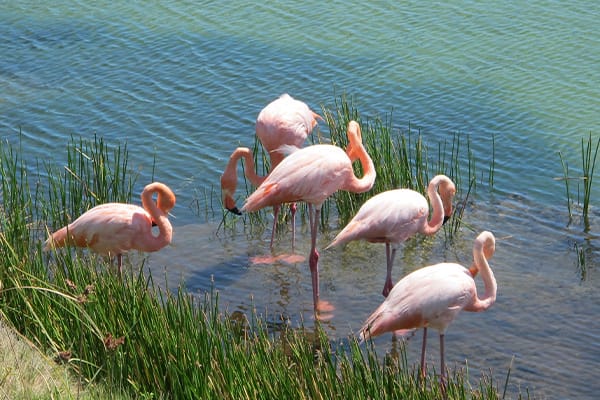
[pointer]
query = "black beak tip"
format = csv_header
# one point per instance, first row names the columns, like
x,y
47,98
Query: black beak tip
x,y
446,218
235,210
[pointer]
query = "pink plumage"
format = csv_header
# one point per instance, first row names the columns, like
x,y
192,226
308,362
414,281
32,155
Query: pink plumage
x,y
312,174
433,296
285,122
393,216
112,229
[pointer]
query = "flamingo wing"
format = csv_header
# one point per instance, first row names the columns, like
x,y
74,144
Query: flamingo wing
x,y
428,297
284,121
391,216
310,174
111,228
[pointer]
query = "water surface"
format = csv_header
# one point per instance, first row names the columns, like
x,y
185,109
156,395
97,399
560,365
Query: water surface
x,y
184,82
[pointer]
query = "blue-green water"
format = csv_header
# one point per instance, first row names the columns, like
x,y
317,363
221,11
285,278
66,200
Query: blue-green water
x,y
185,81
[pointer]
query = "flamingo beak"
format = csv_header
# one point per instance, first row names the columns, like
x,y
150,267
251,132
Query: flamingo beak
x,y
446,218
230,205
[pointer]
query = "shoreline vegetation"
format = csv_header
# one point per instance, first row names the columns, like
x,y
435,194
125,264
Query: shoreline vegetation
x,y
129,338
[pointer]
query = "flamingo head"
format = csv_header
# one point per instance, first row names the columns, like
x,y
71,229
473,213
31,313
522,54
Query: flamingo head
x,y
354,141
447,190
166,202
228,185
489,244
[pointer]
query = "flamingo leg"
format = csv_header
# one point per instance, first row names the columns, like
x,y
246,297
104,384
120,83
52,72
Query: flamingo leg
x,y
442,367
423,352
390,254
293,208
275,216
314,213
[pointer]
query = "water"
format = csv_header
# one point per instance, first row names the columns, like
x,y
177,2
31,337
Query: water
x,y
185,82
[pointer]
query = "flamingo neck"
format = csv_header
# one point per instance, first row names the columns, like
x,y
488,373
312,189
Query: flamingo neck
x,y
249,170
229,177
480,262
158,211
437,216
357,150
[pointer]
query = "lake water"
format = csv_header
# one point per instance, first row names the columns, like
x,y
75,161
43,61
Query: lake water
x,y
183,82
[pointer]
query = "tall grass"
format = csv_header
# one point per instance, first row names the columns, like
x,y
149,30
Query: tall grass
x,y
589,153
149,342
401,159
588,159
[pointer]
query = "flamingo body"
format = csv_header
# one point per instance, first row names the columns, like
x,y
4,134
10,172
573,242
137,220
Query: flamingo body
x,y
428,297
283,123
393,216
112,229
312,174
433,296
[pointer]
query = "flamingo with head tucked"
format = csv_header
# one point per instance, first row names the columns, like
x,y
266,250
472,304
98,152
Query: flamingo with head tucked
x,y
112,229
312,174
433,296
393,216
282,123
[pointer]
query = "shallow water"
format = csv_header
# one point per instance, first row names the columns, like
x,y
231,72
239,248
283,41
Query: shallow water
x,y
185,82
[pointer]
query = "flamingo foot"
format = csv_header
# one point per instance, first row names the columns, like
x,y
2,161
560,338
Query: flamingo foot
x,y
324,310
286,258
291,258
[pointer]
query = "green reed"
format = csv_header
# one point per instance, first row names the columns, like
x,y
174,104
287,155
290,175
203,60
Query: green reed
x,y
588,159
589,153
93,174
142,341
401,159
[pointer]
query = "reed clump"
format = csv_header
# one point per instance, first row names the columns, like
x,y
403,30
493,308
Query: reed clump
x,y
402,160
138,340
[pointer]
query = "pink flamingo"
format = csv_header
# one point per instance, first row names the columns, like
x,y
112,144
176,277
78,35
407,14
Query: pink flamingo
x,y
433,296
393,216
283,122
312,174
112,229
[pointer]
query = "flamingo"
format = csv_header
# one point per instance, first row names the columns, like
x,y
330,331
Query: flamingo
x,y
283,122
433,296
393,216
112,229
312,174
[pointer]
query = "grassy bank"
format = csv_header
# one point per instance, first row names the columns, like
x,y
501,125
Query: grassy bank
x,y
133,339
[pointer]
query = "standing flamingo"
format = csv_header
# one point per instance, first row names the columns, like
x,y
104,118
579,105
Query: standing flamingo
x,y
433,296
392,217
112,229
283,122
312,174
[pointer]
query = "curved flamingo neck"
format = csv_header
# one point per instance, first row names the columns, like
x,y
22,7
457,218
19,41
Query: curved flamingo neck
x,y
357,150
249,170
229,177
158,211
480,261
437,216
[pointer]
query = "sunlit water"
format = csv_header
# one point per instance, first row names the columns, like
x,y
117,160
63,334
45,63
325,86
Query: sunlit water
x,y
182,84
